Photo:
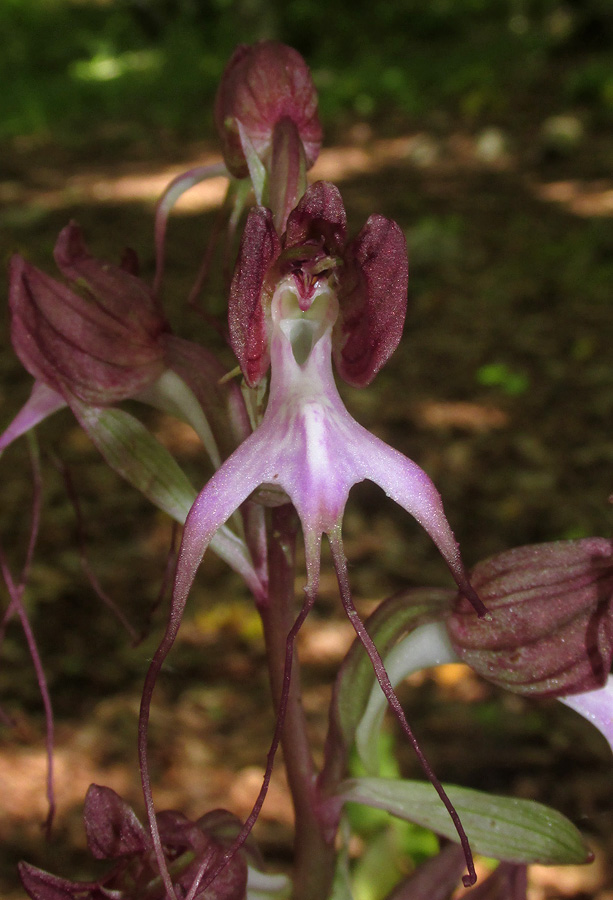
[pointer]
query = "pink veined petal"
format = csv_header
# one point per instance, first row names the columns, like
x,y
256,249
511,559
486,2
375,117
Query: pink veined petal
x,y
84,344
411,488
595,706
42,402
549,632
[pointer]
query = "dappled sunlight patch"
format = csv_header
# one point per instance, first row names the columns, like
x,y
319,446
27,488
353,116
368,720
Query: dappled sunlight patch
x,y
579,196
245,786
93,187
548,882
456,681
324,643
178,437
139,183
22,782
472,417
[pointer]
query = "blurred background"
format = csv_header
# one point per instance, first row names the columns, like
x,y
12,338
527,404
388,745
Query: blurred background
x,y
485,128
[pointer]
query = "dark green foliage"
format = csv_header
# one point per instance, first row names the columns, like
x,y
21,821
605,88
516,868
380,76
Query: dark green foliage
x,y
128,68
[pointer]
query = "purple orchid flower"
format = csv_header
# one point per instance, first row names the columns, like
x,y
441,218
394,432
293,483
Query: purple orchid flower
x,y
91,350
550,630
294,305
267,121
262,85
100,348
109,341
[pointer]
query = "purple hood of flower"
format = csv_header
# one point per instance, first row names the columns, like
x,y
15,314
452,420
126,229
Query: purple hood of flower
x,y
550,629
367,276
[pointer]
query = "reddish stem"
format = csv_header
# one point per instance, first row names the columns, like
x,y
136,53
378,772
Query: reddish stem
x,y
314,854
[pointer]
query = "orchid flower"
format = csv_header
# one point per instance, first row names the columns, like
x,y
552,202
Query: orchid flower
x,y
548,633
295,304
551,627
110,341
295,307
114,833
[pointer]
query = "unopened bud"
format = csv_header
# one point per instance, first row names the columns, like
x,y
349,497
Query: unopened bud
x,y
550,628
262,85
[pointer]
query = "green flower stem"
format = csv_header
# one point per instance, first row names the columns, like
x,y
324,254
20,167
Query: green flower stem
x,y
314,854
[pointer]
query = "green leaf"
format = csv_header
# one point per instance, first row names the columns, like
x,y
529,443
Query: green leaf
x,y
137,456
393,618
519,831
262,886
257,171
423,647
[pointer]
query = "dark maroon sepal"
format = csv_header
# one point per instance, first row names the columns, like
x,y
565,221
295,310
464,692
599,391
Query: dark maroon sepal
x,y
247,307
100,345
261,85
372,300
550,628
319,218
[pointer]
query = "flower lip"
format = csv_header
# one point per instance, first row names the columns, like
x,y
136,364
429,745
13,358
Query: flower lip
x,y
303,319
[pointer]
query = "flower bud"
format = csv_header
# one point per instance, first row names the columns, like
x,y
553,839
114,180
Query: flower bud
x,y
550,629
101,345
263,85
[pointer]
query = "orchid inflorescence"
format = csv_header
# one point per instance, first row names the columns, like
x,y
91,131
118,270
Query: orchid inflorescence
x,y
304,299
